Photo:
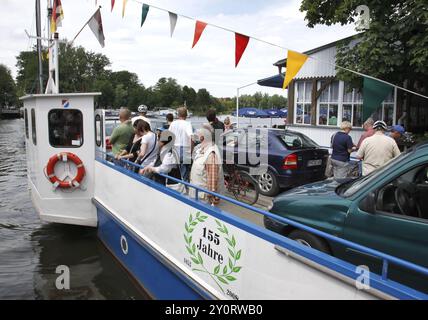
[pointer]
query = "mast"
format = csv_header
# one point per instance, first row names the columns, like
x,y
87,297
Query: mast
x,y
39,44
52,86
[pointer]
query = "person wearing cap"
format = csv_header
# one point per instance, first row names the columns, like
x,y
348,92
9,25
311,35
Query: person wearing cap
x,y
377,150
396,133
167,160
142,110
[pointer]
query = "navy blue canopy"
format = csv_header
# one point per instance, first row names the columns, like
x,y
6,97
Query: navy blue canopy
x,y
276,113
276,81
252,113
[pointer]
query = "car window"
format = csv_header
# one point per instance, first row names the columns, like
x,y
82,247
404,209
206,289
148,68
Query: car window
x,y
406,195
257,138
295,141
232,139
352,187
110,125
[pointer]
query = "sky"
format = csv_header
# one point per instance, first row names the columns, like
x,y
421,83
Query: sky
x,y
151,53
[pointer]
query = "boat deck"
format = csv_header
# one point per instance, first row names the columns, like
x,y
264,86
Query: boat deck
x,y
238,211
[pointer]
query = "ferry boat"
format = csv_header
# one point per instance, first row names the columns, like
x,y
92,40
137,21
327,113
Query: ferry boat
x,y
174,245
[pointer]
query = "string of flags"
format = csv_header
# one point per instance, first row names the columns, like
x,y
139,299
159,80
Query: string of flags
x,y
295,60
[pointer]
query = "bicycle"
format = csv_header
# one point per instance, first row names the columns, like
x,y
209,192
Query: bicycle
x,y
243,186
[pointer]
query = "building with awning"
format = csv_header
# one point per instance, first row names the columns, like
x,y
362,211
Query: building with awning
x,y
318,102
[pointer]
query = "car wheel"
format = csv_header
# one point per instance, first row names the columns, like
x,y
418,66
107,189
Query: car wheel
x,y
310,240
268,184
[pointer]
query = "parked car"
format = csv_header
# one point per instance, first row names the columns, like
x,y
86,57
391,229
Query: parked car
x,y
110,124
386,210
293,158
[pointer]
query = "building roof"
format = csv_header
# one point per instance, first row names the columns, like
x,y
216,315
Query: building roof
x,y
282,62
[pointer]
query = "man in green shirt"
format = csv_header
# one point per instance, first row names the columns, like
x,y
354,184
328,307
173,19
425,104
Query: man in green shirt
x,y
123,133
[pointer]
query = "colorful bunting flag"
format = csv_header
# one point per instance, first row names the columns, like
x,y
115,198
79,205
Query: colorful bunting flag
x,y
199,28
112,4
241,43
123,7
374,93
172,21
96,25
144,12
57,15
295,62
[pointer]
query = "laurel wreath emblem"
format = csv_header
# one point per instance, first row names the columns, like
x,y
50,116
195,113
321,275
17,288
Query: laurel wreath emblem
x,y
220,275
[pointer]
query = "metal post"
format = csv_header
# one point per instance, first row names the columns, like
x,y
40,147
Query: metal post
x,y
56,57
237,108
39,44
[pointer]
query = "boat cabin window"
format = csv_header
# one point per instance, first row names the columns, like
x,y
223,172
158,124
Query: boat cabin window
x,y
98,130
65,128
33,126
26,123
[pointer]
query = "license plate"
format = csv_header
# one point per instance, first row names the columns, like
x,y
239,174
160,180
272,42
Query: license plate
x,y
314,163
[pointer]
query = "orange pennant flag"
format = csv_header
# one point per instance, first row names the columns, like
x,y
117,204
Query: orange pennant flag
x,y
295,62
199,28
123,7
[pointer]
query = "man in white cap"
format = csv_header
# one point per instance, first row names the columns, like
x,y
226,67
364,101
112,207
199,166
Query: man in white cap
x,y
377,150
142,110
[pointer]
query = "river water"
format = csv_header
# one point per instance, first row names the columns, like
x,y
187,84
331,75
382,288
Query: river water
x,y
31,251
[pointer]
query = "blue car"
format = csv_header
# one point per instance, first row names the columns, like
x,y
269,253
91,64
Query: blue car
x,y
293,158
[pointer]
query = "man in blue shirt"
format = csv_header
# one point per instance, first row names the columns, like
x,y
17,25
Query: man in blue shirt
x,y
342,146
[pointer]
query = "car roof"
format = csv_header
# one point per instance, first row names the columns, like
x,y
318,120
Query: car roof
x,y
275,131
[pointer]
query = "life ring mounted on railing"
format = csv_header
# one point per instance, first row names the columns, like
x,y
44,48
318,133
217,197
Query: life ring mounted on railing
x,y
65,157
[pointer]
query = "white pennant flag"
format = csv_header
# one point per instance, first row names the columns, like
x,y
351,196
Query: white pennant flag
x,y
172,21
96,25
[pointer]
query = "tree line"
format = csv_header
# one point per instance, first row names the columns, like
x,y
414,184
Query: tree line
x,y
85,71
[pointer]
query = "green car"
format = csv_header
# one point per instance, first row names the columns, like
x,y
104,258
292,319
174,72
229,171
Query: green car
x,y
386,211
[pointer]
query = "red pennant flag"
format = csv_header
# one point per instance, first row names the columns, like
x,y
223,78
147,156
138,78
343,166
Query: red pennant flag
x,y
199,28
241,43
112,4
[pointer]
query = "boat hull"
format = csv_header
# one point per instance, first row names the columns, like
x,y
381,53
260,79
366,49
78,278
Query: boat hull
x,y
158,278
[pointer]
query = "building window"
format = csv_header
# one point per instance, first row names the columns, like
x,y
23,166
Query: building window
x,y
65,128
328,104
33,126
98,130
303,113
386,112
352,106
26,123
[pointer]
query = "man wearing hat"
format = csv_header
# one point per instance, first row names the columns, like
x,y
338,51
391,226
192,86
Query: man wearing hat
x,y
377,150
396,133
142,110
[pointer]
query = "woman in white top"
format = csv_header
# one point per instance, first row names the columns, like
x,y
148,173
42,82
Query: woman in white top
x,y
149,146
207,168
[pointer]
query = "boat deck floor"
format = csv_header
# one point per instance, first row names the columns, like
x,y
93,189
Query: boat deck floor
x,y
246,214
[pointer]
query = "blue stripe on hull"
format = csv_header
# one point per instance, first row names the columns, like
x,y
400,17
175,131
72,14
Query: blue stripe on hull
x,y
157,279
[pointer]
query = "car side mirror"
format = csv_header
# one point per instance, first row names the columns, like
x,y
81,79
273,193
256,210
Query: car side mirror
x,y
368,204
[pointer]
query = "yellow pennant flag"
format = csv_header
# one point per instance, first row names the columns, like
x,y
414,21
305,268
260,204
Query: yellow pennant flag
x,y
123,7
295,62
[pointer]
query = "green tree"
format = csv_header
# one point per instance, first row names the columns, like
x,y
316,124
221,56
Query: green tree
x,y
167,93
394,46
189,96
78,69
203,101
8,95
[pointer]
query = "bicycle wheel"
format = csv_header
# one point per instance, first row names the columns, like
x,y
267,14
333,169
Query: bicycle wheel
x,y
245,188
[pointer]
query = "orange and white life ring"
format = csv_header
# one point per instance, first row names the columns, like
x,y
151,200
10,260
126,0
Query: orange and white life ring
x,y
65,157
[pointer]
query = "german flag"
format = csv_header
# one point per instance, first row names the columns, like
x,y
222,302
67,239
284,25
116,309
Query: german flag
x,y
57,15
